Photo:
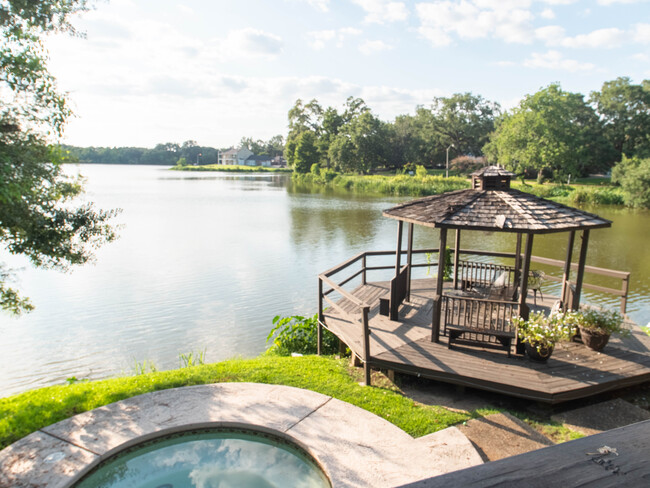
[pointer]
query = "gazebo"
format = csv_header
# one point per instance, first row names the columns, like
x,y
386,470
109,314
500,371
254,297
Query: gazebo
x,y
413,326
490,205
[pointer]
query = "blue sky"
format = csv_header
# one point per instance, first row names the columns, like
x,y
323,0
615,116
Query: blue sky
x,y
153,71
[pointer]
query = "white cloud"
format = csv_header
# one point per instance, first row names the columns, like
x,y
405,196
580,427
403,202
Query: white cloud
x,y
372,47
612,2
550,34
641,33
320,39
643,57
554,60
475,19
381,11
547,13
601,38
322,5
250,42
559,2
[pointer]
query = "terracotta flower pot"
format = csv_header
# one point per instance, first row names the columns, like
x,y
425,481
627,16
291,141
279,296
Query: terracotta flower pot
x,y
594,339
542,355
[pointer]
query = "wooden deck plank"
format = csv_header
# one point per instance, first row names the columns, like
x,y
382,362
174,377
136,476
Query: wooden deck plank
x,y
404,345
573,463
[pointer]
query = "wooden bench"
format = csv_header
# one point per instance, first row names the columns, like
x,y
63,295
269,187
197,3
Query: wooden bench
x,y
478,317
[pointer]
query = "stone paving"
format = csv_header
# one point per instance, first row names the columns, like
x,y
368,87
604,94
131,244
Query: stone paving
x,y
354,447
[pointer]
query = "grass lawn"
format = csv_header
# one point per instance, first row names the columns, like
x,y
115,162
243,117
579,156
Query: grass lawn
x,y
232,168
27,412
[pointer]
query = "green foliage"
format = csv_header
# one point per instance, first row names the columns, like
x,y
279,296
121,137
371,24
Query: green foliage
x,y
389,185
421,171
608,321
181,162
634,177
551,131
37,217
27,412
544,331
190,359
306,153
144,367
299,334
625,110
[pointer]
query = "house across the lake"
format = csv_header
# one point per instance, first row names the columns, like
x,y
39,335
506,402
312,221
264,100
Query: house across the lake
x,y
245,157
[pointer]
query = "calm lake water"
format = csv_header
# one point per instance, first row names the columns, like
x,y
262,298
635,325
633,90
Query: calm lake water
x,y
205,261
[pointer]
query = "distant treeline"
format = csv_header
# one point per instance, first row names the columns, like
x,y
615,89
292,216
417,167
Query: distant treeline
x,y
164,154
170,153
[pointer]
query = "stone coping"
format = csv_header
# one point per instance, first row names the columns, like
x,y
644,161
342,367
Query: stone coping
x,y
353,447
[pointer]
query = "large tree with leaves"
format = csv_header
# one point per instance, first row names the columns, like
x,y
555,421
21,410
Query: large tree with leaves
x,y
551,131
625,111
37,218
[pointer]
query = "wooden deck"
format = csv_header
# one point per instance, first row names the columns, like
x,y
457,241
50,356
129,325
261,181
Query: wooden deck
x,y
573,372
574,463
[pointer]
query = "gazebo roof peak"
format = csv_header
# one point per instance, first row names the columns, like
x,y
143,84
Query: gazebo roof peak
x,y
493,171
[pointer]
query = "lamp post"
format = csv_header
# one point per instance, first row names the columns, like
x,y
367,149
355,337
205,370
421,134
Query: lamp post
x,y
447,165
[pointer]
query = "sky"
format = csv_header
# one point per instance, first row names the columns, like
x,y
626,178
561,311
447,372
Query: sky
x,y
214,71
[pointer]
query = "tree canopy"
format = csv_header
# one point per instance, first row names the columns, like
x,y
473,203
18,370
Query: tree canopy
x,y
37,218
625,111
551,131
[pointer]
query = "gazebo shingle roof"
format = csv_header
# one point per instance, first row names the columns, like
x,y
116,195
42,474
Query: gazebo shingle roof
x,y
495,210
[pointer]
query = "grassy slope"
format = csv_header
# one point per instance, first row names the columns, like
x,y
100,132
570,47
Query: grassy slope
x,y
26,412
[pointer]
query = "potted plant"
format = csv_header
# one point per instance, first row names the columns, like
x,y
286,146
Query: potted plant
x,y
596,326
540,333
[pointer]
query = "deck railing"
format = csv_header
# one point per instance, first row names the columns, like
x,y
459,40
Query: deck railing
x,y
357,311
473,273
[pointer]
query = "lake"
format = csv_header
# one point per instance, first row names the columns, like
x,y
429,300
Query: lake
x,y
206,260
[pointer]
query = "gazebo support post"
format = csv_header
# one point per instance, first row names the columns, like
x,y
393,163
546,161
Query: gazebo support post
x,y
524,310
567,271
518,258
456,252
437,299
398,252
581,269
409,261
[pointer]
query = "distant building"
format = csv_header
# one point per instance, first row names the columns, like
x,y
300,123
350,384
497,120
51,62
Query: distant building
x,y
235,156
279,162
254,160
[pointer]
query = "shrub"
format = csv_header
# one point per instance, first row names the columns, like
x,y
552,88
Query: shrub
x,y
300,335
634,177
466,165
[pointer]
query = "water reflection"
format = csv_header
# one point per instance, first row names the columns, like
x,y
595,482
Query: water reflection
x,y
207,262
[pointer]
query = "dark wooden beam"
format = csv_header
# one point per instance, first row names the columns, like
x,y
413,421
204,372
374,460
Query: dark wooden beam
x,y
566,275
437,299
456,253
409,261
524,310
518,258
398,252
581,269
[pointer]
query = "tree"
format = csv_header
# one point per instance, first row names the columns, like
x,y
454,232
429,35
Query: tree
x,y
37,219
634,177
464,120
624,109
306,153
553,131
360,144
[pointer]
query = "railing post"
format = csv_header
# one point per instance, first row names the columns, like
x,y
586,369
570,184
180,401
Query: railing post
x,y
363,267
319,340
581,269
366,347
567,270
409,262
625,290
